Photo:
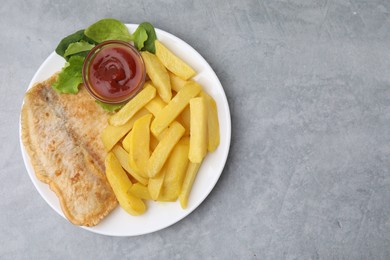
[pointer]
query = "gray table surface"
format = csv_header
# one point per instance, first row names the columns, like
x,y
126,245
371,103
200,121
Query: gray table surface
x,y
308,84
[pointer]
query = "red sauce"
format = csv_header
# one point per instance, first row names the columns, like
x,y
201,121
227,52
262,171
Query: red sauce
x,y
116,72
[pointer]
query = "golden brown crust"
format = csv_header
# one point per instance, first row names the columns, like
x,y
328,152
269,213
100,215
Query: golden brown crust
x,y
61,134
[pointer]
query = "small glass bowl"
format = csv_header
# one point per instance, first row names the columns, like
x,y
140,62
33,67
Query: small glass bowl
x,y
90,59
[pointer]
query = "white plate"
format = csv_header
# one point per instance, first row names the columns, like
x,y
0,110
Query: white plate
x,y
158,215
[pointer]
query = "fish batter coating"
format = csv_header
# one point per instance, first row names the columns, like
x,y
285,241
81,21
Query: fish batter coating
x,y
61,134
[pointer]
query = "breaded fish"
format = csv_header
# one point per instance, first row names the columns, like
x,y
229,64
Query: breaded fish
x,y
61,133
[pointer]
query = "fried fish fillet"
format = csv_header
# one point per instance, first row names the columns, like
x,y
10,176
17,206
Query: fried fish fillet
x,y
61,134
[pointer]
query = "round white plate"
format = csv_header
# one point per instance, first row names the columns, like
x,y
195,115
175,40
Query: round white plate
x,y
158,215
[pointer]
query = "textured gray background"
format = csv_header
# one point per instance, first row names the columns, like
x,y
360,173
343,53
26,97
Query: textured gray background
x,y
308,85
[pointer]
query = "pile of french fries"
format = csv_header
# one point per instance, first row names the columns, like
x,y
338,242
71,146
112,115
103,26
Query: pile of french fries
x,y
158,140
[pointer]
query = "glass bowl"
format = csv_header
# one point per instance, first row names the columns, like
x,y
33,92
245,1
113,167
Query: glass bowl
x,y
114,72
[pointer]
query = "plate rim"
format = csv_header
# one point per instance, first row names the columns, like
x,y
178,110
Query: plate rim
x,y
187,211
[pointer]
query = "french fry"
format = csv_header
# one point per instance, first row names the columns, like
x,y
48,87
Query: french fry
x,y
112,134
180,121
155,105
175,171
164,148
148,83
177,83
185,118
139,145
172,62
174,107
120,184
133,106
192,171
140,191
212,123
198,131
126,141
123,158
153,142
158,74
155,184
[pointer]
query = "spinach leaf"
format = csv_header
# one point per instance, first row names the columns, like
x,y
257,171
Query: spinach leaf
x,y
109,107
108,29
149,43
74,37
70,76
139,37
78,47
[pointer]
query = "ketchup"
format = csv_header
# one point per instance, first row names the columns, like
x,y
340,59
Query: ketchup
x,y
115,72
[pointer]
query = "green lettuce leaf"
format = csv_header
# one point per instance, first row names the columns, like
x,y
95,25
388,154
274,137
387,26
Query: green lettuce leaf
x,y
70,76
108,29
82,54
78,47
109,107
